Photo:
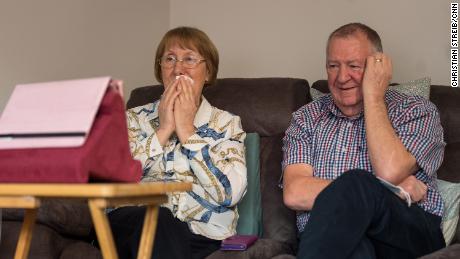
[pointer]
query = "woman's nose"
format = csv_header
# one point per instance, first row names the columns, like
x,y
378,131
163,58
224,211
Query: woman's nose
x,y
178,68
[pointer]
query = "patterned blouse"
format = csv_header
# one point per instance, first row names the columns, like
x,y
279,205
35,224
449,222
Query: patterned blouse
x,y
212,159
321,136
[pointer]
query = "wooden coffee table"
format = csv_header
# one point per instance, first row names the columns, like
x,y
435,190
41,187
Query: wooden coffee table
x,y
99,197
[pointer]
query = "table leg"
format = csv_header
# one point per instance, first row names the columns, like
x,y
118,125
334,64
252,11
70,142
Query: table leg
x,y
22,249
102,226
148,232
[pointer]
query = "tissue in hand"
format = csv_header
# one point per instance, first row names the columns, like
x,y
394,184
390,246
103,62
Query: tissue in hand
x,y
186,77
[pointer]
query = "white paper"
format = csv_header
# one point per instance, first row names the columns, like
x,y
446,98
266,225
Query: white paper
x,y
398,190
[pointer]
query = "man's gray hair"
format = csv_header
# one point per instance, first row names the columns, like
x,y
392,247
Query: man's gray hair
x,y
353,28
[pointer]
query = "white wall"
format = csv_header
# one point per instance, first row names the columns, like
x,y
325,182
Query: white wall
x,y
65,39
259,38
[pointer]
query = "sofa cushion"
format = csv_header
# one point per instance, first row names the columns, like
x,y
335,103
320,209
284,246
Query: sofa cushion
x,y
450,252
71,217
250,207
321,85
446,99
45,243
278,220
81,250
284,256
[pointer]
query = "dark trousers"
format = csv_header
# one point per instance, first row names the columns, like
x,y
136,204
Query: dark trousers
x,y
173,238
357,217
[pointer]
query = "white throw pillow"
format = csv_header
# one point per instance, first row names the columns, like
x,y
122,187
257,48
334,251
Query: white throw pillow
x,y
419,87
450,193
315,94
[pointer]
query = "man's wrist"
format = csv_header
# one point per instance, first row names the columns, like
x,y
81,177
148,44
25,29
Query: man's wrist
x,y
374,98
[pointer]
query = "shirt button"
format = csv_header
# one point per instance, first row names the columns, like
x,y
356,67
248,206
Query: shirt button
x,y
344,150
349,124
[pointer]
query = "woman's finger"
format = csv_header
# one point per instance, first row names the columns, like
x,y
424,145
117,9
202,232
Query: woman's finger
x,y
188,91
170,97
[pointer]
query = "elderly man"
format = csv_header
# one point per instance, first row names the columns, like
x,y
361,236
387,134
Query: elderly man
x,y
340,148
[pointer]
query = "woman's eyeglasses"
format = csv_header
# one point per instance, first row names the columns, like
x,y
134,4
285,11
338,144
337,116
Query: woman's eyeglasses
x,y
187,62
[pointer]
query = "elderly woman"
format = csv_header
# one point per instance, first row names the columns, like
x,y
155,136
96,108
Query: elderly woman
x,y
181,137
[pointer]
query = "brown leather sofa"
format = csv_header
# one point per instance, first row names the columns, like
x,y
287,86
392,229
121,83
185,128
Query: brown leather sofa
x,y
265,106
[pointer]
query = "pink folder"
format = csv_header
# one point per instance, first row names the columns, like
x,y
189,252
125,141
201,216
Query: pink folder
x,y
51,114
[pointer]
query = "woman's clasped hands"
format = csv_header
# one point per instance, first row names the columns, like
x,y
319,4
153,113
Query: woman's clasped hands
x,y
177,109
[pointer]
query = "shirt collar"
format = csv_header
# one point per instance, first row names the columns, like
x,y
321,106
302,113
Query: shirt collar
x,y
330,105
203,115
154,111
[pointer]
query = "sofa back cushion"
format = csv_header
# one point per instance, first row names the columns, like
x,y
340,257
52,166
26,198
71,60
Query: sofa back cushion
x,y
447,99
